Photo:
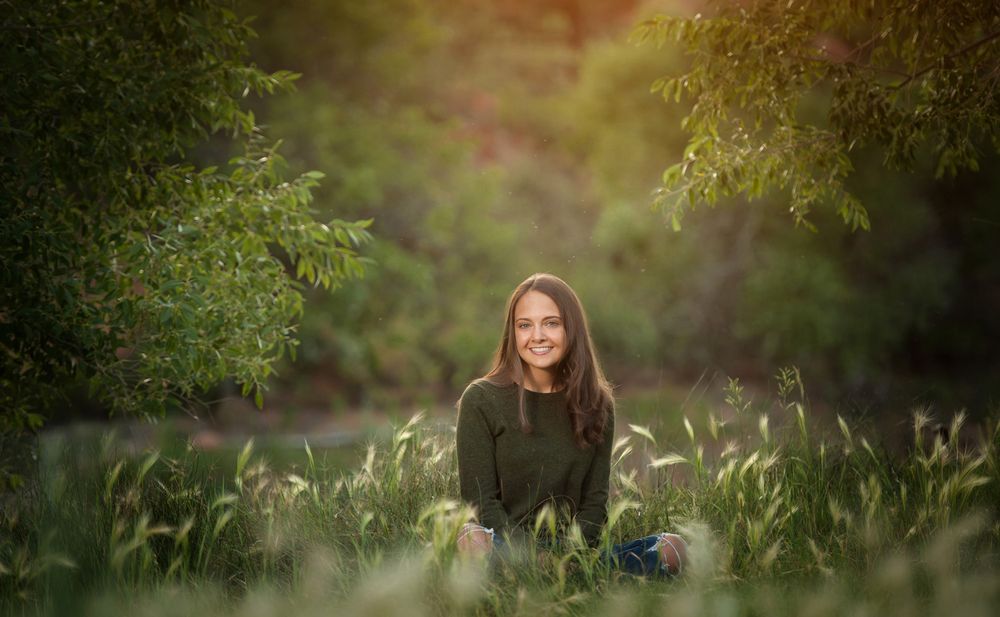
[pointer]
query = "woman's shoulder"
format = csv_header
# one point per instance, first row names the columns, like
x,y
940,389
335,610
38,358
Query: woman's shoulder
x,y
485,398
483,387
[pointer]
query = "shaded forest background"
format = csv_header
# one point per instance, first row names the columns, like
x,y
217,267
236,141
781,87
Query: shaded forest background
x,y
491,140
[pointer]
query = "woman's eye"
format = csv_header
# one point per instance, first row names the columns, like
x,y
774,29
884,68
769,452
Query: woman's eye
x,y
553,324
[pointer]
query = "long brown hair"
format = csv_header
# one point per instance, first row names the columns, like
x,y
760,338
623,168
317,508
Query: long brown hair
x,y
588,394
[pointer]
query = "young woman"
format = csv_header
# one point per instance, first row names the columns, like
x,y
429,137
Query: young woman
x,y
538,429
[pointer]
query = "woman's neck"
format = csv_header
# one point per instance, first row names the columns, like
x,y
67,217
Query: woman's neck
x,y
539,380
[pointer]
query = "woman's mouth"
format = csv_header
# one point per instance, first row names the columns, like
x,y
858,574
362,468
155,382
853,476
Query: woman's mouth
x,y
540,351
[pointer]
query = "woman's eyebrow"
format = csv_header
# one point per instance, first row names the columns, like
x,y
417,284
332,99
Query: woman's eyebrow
x,y
543,318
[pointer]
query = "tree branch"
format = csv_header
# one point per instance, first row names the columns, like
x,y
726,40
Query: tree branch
x,y
32,27
909,77
964,50
832,60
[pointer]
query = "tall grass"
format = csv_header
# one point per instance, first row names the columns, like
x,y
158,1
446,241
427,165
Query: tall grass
x,y
782,517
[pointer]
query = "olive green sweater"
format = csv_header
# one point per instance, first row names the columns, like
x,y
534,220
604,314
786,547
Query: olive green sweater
x,y
508,474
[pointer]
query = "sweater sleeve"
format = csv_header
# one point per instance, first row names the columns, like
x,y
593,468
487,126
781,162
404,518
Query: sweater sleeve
x,y
477,469
593,510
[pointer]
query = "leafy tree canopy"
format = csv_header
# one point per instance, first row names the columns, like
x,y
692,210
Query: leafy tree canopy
x,y
122,263
899,75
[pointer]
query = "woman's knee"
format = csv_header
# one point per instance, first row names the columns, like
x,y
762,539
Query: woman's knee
x,y
474,539
673,553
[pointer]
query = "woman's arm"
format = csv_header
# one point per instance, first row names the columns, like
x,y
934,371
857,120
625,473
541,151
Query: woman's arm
x,y
593,510
477,470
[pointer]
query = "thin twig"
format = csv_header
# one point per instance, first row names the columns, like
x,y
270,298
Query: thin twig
x,y
855,53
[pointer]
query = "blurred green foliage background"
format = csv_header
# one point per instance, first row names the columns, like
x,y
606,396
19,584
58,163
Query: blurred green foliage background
x,y
491,140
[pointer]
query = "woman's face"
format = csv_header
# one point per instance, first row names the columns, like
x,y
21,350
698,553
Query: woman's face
x,y
539,332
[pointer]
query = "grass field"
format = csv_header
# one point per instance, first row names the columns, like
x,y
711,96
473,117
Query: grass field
x,y
783,518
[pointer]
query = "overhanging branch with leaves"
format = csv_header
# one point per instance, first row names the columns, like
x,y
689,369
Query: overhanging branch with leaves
x,y
753,64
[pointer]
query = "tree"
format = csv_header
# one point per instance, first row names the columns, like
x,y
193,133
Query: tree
x,y
124,265
898,75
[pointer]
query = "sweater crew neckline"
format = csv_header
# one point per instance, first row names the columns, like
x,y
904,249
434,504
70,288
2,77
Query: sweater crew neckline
x,y
553,394
513,386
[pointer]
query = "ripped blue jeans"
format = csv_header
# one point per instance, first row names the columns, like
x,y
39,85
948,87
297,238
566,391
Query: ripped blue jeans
x,y
640,557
